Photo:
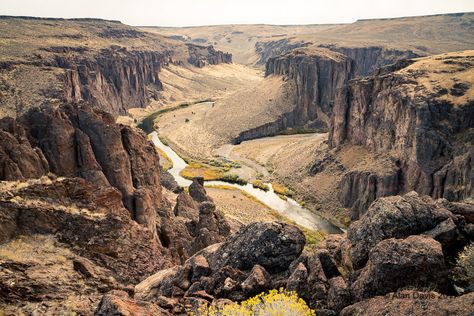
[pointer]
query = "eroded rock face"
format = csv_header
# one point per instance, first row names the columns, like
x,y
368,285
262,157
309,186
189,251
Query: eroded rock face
x,y
77,141
114,80
201,56
18,159
318,74
429,137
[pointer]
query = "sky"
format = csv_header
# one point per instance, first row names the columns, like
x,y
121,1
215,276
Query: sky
x,y
212,12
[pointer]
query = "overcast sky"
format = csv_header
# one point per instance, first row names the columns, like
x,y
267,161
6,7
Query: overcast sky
x,y
208,12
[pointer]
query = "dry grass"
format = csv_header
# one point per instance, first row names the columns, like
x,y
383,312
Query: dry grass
x,y
442,72
282,190
165,161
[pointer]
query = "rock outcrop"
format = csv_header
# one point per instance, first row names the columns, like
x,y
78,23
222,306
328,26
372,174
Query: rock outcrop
x,y
317,74
90,219
200,56
427,130
77,141
401,242
114,80
367,60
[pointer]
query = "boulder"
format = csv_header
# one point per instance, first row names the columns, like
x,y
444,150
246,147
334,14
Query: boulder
x,y
258,281
397,263
272,245
392,217
339,295
118,303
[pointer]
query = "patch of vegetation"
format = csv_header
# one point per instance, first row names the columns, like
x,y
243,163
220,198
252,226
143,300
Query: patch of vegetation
x,y
297,130
313,237
275,302
165,161
258,184
233,178
196,169
225,164
281,190
259,176
464,267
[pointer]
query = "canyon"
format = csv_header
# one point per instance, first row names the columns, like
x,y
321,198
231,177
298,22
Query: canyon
x,y
362,130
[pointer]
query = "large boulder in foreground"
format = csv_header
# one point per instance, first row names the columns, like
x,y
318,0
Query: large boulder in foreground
x,y
397,263
392,217
272,245
413,303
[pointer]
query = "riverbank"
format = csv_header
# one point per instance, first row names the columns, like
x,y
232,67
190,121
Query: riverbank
x,y
287,208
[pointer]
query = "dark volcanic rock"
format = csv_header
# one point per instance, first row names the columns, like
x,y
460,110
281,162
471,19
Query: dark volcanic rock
x,y
389,217
398,263
430,138
272,245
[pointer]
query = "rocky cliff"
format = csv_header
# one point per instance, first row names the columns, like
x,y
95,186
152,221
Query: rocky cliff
x,y
317,74
201,56
367,59
423,115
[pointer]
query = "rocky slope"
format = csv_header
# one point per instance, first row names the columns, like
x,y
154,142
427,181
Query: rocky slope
x,y
421,114
383,253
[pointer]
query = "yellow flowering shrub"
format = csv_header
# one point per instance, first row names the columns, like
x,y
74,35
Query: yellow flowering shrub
x,y
274,303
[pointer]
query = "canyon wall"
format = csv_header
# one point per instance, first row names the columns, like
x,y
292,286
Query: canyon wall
x,y
114,80
317,75
430,138
367,59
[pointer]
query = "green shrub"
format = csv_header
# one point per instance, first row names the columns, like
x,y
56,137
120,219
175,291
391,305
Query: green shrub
x,y
233,178
465,266
258,184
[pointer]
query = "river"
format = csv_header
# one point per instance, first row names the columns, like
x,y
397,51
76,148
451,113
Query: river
x,y
289,208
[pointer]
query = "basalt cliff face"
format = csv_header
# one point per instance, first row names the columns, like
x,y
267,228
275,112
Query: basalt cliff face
x,y
424,121
318,73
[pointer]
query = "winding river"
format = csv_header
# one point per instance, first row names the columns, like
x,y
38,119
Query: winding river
x,y
288,208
